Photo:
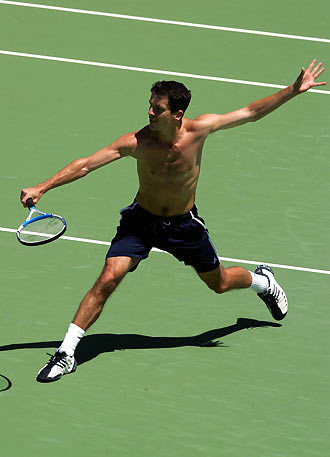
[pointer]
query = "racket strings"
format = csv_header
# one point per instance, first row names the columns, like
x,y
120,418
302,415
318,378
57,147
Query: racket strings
x,y
42,229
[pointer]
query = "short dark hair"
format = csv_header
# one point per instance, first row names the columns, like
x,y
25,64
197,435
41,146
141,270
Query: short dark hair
x,y
178,95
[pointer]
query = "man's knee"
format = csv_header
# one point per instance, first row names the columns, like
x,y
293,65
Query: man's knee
x,y
113,272
106,282
219,288
216,280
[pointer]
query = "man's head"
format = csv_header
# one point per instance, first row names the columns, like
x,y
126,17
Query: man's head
x,y
168,102
178,95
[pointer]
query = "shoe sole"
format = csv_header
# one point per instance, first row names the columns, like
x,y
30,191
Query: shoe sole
x,y
56,378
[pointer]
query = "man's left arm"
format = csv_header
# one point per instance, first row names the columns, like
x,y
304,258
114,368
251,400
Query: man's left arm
x,y
260,108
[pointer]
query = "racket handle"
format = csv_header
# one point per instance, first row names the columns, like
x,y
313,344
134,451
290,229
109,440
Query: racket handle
x,y
29,202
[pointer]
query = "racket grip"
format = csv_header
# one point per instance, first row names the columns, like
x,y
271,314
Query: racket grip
x,y
29,202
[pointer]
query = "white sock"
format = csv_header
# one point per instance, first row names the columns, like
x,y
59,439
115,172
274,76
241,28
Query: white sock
x,y
260,283
71,339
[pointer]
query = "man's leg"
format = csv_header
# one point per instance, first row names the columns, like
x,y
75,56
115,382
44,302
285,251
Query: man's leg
x,y
222,280
90,308
114,270
262,281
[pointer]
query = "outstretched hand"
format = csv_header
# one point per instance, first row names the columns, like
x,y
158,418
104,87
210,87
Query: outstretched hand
x,y
306,79
30,192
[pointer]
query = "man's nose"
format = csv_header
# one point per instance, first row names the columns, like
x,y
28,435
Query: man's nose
x,y
151,112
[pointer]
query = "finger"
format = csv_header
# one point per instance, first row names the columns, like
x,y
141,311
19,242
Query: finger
x,y
311,65
23,198
301,75
319,84
315,70
319,73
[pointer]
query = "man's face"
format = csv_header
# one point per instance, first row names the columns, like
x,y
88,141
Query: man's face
x,y
159,113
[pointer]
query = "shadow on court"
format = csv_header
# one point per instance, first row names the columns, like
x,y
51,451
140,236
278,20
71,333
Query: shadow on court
x,y
93,345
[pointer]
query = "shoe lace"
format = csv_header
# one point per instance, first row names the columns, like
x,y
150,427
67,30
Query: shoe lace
x,y
278,294
57,359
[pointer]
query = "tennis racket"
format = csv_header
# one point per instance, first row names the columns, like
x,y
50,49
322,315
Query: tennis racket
x,y
39,227
5,383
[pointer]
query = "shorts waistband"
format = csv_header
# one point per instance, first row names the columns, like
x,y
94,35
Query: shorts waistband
x,y
151,216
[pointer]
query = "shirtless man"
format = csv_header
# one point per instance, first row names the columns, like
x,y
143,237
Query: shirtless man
x,y
168,152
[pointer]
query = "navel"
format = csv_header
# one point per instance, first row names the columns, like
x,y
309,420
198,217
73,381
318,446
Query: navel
x,y
164,210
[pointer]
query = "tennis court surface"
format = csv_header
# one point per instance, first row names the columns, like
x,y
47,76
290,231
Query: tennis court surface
x,y
170,369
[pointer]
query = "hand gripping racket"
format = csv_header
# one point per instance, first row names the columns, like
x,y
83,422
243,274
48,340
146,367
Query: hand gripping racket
x,y
39,227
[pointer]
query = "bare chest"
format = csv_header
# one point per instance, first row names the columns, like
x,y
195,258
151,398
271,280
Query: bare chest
x,y
169,163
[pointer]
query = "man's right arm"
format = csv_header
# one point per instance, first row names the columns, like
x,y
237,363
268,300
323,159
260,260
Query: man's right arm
x,y
122,147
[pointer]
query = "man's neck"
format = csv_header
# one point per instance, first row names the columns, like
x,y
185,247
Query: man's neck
x,y
169,136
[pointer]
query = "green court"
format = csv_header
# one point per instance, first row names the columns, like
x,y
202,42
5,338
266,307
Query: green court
x,y
170,369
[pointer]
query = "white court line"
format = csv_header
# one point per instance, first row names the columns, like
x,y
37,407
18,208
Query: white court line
x,y
149,70
230,259
164,21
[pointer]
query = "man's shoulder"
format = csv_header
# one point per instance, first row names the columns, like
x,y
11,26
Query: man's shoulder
x,y
126,143
143,133
130,141
132,138
197,125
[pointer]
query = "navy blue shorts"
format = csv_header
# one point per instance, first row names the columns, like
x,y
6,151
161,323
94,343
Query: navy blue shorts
x,y
184,236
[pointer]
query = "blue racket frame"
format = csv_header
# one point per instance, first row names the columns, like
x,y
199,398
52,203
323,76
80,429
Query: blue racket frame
x,y
41,216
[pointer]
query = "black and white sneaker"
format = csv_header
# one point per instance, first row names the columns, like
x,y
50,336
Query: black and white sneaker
x,y
274,297
58,365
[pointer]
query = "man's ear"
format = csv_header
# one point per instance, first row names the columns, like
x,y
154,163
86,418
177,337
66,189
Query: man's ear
x,y
179,115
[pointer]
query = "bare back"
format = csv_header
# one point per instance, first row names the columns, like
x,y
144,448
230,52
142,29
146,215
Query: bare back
x,y
168,174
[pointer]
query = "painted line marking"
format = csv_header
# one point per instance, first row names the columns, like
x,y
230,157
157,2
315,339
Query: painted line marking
x,y
229,259
149,70
164,21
